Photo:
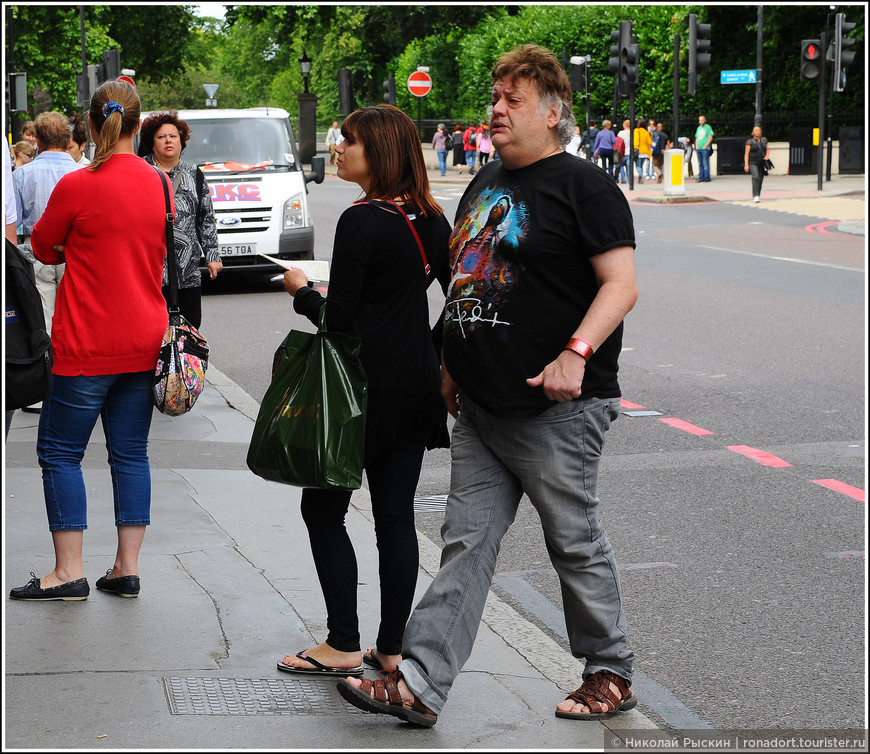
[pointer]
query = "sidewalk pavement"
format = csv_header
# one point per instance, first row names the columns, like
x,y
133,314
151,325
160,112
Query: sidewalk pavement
x,y
228,588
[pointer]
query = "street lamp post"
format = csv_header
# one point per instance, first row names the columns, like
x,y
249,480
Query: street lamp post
x,y
305,67
307,110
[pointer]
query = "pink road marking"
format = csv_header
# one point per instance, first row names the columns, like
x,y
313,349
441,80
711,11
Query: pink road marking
x,y
846,489
822,227
686,426
629,404
767,459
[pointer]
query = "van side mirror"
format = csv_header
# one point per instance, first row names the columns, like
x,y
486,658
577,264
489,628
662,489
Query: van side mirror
x,y
318,170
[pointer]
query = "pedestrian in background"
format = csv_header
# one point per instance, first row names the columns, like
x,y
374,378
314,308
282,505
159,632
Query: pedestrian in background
x,y
643,144
378,291
603,147
34,184
703,146
685,143
469,139
625,163
484,145
533,388
78,140
332,140
660,142
28,133
23,152
649,172
755,157
458,146
162,142
439,144
108,223
573,146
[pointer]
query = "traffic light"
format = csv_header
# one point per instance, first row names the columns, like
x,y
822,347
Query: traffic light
x,y
111,64
629,53
843,58
390,90
345,92
578,74
613,61
699,50
811,59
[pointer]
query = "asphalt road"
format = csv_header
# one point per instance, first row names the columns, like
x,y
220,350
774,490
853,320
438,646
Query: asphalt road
x,y
741,547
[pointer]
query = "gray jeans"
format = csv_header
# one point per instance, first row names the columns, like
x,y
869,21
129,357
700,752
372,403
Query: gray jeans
x,y
554,459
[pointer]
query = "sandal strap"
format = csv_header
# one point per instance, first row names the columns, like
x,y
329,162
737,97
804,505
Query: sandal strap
x,y
384,690
596,689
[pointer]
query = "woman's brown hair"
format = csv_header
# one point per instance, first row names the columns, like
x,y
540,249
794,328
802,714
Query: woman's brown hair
x,y
392,147
152,124
114,112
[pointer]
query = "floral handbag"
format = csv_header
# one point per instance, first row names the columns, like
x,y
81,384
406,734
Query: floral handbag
x,y
180,374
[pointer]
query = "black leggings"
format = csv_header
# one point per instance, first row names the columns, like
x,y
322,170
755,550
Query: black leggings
x,y
392,481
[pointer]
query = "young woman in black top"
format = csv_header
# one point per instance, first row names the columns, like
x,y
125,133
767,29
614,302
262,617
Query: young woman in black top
x,y
377,290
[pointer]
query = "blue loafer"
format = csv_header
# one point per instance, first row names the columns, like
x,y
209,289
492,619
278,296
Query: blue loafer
x,y
69,592
123,586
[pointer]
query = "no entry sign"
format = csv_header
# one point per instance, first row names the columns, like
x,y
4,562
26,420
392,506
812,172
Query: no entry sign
x,y
419,83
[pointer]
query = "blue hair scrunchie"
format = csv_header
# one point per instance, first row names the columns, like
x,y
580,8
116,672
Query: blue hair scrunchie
x,y
112,107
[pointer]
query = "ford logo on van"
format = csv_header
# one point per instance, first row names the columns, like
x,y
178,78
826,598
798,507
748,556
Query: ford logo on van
x,y
228,220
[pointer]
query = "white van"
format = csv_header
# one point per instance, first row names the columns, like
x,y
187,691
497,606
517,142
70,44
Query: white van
x,y
256,182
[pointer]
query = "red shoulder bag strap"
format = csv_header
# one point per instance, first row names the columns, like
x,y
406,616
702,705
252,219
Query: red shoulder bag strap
x,y
426,267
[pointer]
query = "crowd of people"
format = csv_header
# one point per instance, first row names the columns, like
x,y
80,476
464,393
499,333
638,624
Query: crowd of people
x,y
533,389
649,140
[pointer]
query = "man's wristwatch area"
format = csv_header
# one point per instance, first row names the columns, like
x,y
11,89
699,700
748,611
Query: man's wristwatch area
x,y
580,346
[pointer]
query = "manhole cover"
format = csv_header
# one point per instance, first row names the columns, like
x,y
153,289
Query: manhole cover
x,y
255,696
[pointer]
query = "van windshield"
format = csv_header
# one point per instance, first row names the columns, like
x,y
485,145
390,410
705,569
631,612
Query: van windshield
x,y
240,145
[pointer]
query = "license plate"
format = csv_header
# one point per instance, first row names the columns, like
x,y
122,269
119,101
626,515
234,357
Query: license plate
x,y
237,249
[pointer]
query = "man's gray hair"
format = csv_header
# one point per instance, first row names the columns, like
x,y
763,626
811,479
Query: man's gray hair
x,y
567,121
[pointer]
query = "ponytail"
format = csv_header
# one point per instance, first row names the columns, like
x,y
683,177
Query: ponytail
x,y
114,112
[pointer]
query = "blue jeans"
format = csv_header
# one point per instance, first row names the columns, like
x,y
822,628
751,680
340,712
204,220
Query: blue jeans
x,y
642,159
703,164
123,403
442,160
554,459
470,157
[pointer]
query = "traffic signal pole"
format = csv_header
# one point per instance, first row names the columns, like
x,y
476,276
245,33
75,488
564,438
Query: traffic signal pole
x,y
676,131
821,146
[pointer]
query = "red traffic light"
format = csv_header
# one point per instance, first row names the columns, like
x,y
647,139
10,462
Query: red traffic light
x,y
811,60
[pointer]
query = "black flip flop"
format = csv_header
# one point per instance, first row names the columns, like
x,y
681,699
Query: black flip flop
x,y
369,658
319,668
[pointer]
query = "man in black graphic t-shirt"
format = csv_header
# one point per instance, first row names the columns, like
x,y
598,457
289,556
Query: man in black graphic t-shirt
x,y
542,258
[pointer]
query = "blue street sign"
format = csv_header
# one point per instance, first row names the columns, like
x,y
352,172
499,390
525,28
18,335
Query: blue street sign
x,y
738,77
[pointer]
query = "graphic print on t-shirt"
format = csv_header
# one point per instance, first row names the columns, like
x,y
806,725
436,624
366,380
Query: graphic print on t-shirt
x,y
484,261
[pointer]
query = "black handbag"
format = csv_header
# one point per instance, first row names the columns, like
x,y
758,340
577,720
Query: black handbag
x,y
179,377
26,344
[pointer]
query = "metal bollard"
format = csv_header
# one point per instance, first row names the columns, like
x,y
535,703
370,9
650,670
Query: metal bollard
x,y
673,173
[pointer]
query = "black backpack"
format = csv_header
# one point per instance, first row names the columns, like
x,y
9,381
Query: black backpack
x,y
472,139
26,344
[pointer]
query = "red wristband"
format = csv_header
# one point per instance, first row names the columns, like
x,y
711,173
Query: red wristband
x,y
580,346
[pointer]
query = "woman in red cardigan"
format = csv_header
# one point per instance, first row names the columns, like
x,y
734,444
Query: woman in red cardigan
x,y
107,223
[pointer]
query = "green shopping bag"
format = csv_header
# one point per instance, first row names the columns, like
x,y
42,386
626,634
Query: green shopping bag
x,y
310,430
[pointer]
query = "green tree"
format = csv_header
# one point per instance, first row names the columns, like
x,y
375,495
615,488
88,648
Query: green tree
x,y
158,42
52,68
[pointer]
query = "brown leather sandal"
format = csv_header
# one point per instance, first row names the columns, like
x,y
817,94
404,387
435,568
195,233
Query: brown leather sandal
x,y
383,697
596,690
